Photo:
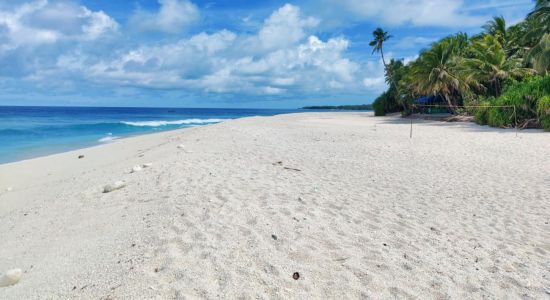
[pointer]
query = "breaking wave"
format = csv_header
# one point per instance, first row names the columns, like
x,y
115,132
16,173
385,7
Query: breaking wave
x,y
176,122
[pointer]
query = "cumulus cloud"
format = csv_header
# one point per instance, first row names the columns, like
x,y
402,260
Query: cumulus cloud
x,y
285,27
173,16
374,81
208,62
42,22
398,12
282,57
412,42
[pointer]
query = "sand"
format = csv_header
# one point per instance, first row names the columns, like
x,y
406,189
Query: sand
x,y
347,200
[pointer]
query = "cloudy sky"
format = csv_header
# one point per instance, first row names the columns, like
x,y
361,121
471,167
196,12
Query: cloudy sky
x,y
217,53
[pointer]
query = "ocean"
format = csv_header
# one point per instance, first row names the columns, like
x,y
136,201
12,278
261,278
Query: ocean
x,y
28,132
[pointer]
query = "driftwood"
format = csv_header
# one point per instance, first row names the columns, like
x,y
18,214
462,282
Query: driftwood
x,y
530,124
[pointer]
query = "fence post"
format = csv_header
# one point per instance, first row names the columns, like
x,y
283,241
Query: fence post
x,y
411,117
516,120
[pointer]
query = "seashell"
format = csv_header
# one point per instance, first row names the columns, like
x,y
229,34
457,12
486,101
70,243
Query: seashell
x,y
181,147
136,168
9,189
147,165
113,187
11,277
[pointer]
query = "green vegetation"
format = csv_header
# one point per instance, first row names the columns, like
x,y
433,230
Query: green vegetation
x,y
502,66
342,107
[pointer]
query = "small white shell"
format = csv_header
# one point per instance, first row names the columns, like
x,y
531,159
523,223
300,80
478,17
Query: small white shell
x,y
147,165
11,277
136,168
113,187
181,147
9,189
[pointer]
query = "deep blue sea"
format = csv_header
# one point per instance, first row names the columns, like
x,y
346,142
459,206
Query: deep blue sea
x,y
27,132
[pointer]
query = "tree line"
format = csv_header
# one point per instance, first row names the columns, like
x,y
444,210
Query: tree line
x,y
502,66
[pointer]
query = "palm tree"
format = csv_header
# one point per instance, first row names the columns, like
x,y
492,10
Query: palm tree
x,y
539,56
489,64
435,72
497,28
380,37
539,20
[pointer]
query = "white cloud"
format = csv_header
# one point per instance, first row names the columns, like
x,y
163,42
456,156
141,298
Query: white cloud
x,y
413,42
375,80
278,59
446,13
208,63
42,22
173,16
285,27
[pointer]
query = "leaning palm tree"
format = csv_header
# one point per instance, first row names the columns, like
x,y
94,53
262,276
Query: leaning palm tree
x,y
490,65
380,37
539,56
435,72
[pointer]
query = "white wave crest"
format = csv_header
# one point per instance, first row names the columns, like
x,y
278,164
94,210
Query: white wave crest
x,y
177,122
109,138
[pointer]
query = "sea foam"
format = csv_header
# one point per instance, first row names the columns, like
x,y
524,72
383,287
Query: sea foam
x,y
109,138
176,122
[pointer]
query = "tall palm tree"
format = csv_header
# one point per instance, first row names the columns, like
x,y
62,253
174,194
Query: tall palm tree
x,y
380,37
539,56
435,72
497,28
489,64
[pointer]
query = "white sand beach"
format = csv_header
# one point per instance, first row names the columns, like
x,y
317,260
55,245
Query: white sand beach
x,y
349,201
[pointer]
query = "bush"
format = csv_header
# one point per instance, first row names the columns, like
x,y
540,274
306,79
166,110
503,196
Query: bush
x,y
543,110
379,107
481,113
525,97
385,103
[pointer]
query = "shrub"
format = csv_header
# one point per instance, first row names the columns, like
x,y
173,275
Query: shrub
x,y
524,96
385,103
481,113
379,106
543,110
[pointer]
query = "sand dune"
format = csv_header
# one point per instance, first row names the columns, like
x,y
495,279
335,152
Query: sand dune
x,y
346,200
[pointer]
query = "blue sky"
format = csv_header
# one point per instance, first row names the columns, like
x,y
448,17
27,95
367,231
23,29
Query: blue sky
x,y
239,53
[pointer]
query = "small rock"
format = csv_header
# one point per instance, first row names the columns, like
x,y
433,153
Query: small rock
x,y
181,147
274,237
296,276
11,277
9,189
81,156
113,187
147,165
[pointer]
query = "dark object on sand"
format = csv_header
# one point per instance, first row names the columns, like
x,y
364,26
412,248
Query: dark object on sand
x,y
296,276
292,169
274,237
81,156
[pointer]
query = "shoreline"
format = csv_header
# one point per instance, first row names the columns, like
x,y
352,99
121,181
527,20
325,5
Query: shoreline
x,y
346,200
394,115
100,144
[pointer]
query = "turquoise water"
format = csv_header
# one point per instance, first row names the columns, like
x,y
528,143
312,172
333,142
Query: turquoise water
x,y
27,132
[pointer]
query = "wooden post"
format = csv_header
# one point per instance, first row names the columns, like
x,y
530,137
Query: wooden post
x,y
516,120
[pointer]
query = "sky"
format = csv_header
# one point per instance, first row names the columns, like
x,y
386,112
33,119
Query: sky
x,y
225,53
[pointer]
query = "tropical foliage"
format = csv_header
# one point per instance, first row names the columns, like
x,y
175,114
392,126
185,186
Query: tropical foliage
x,y
504,65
